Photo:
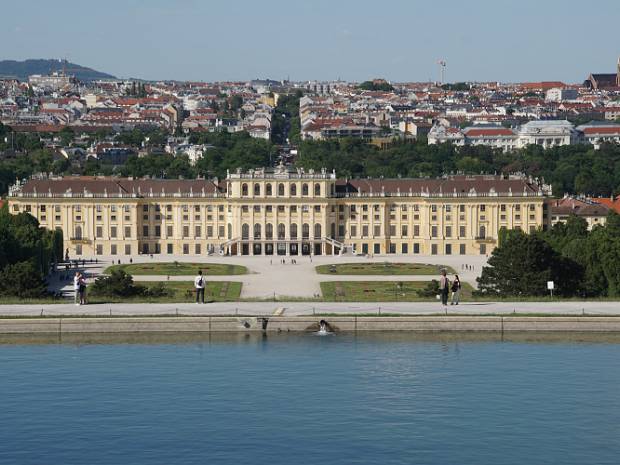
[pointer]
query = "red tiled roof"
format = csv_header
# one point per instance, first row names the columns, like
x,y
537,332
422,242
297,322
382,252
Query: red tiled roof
x,y
602,130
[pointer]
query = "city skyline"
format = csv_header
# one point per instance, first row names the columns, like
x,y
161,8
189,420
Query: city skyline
x,y
401,41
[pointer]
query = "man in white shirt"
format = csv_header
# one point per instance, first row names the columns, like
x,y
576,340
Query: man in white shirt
x,y
199,284
76,287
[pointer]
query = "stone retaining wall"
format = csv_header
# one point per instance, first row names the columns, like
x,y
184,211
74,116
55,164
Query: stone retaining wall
x,y
306,324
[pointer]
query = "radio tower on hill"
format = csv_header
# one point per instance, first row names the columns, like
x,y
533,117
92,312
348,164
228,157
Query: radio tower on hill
x,y
442,70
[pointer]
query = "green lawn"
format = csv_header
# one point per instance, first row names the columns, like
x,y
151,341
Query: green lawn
x,y
180,291
379,291
385,268
179,269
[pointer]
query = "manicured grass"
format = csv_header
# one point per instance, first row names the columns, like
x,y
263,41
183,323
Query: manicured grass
x,y
385,268
179,292
179,269
379,291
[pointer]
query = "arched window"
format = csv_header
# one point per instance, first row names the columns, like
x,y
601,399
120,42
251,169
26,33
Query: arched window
x,y
294,231
244,189
304,189
229,231
305,231
281,231
317,190
317,230
257,190
483,232
78,232
269,190
269,231
293,190
281,190
245,231
257,229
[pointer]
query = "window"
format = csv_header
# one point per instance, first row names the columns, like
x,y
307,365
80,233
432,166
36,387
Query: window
x,y
169,232
281,190
304,189
158,231
78,232
127,232
433,249
209,231
392,248
483,249
317,209
462,249
434,208
502,207
416,230
244,190
462,208
220,232
113,232
197,249
145,208
269,190
169,248
305,231
353,230
99,249
317,230
433,231
404,230
404,248
281,231
392,230
245,231
416,248
293,190
448,249
256,208
78,249
269,231
376,230
127,249
482,232
185,249
364,230
185,231
448,231
376,248
113,249
483,208
293,231
257,231
99,232
197,231
145,231
256,189
461,231
317,190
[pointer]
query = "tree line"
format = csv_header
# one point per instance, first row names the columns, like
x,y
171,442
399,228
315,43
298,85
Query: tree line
x,y
581,263
27,253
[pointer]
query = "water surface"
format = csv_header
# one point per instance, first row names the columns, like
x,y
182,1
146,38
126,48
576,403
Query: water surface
x,y
375,399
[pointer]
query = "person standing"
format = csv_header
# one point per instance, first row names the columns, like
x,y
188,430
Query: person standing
x,y
456,290
199,284
82,289
76,287
444,288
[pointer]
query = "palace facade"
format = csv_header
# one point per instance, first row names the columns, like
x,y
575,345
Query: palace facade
x,y
282,212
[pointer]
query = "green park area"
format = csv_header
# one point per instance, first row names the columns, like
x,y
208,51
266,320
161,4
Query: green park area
x,y
178,269
385,291
171,292
385,268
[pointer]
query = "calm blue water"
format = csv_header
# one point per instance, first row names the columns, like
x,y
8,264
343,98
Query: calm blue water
x,y
381,399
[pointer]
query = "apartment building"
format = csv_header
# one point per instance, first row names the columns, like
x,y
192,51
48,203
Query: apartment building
x,y
282,212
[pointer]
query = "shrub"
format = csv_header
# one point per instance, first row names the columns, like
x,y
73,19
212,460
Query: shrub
x,y
22,279
117,284
430,290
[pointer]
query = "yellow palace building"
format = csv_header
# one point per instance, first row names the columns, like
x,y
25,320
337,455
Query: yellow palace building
x,y
282,212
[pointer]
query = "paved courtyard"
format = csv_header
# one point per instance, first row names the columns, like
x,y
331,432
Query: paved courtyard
x,y
268,278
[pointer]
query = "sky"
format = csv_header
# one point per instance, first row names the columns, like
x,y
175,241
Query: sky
x,y
354,40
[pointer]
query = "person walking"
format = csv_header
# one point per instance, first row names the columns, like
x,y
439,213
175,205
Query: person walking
x,y
444,288
199,284
76,287
456,290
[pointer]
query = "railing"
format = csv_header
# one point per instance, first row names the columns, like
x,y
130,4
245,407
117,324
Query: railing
x,y
435,194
